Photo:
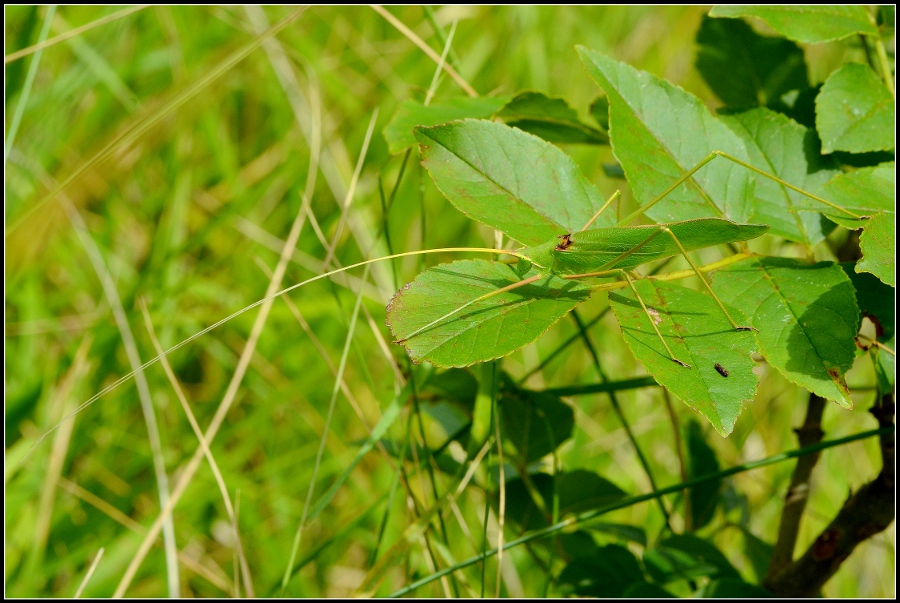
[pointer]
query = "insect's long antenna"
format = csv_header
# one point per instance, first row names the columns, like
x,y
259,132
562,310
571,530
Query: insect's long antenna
x,y
515,285
639,211
184,342
614,196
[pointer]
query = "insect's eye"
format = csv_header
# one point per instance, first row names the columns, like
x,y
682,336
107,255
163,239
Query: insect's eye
x,y
565,241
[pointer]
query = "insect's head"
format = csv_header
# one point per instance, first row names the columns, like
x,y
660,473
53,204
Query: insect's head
x,y
541,256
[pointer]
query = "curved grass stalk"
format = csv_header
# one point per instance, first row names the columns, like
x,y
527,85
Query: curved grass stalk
x,y
255,304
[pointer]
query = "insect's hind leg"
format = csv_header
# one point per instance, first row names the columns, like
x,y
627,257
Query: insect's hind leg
x,y
650,317
736,326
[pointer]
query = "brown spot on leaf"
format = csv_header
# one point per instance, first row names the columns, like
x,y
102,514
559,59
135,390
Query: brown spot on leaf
x,y
838,380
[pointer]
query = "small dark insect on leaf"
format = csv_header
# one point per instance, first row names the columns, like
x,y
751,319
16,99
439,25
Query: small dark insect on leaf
x,y
721,370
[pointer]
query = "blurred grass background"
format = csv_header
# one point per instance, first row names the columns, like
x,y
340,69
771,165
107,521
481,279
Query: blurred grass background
x,y
189,215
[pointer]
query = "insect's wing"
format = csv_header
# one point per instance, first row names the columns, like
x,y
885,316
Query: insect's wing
x,y
624,248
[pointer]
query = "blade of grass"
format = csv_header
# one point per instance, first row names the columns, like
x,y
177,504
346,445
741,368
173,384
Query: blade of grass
x,y
90,572
146,400
207,453
135,132
227,400
26,88
412,37
15,56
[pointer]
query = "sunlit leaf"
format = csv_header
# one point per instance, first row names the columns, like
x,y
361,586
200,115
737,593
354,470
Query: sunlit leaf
x,y
510,180
806,315
809,24
868,192
699,334
855,111
485,330
782,147
658,133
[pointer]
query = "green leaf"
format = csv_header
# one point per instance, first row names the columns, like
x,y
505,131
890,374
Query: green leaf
x,y
855,111
698,333
456,385
578,544
622,531
399,131
658,133
757,551
607,573
732,588
600,111
780,146
702,461
510,180
579,490
550,118
536,423
746,69
810,24
666,565
878,245
806,315
646,590
703,551
488,329
875,300
868,192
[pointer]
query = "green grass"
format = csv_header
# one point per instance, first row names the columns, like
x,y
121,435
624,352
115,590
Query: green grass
x,y
188,202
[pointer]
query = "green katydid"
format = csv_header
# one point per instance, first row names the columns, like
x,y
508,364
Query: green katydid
x,y
601,252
